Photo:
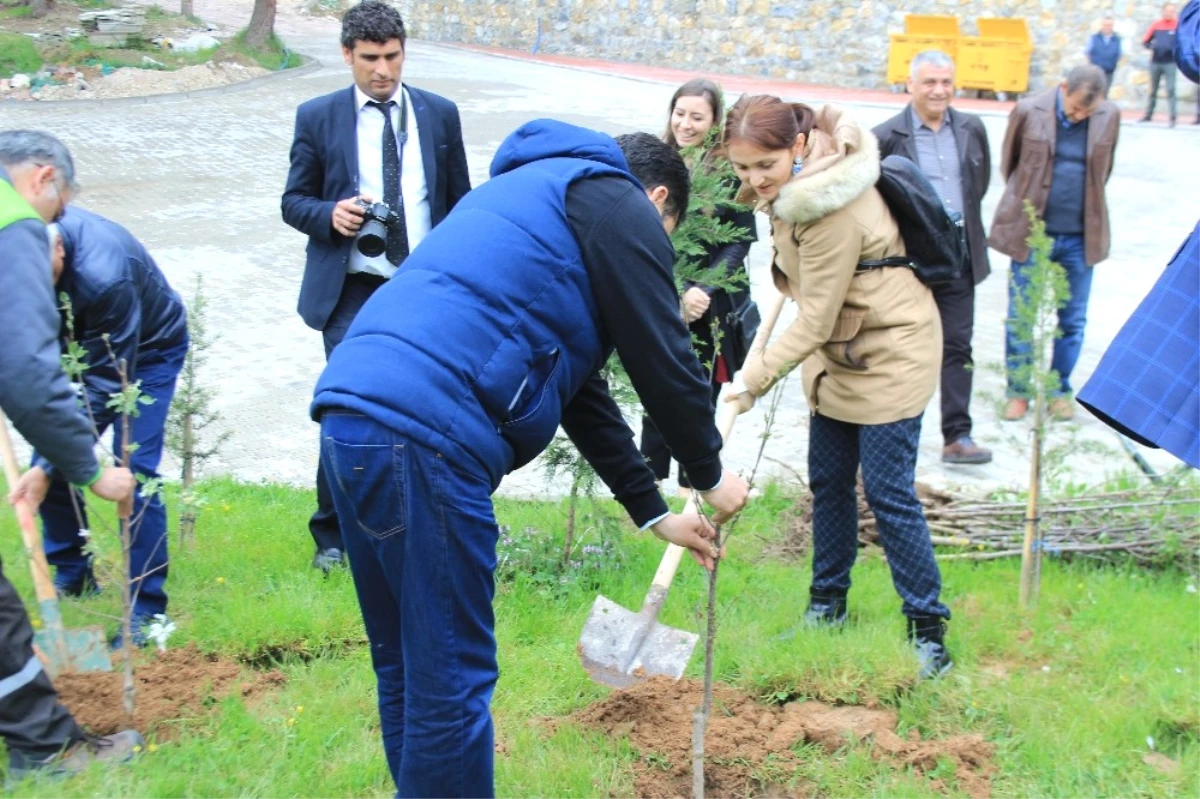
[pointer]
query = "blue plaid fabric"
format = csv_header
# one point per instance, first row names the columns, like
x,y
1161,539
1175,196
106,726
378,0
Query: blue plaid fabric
x,y
888,455
1147,384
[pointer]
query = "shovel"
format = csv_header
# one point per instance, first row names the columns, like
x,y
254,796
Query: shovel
x,y
618,647
83,649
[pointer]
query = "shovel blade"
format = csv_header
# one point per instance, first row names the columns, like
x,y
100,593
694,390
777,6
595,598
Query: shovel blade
x,y
86,649
619,648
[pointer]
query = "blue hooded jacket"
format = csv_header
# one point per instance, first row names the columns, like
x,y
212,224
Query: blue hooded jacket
x,y
489,328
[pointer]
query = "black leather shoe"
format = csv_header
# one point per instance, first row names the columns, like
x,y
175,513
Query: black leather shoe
x,y
825,610
927,634
326,559
117,748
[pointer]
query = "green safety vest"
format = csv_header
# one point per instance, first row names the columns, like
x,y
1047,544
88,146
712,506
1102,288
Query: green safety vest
x,y
14,207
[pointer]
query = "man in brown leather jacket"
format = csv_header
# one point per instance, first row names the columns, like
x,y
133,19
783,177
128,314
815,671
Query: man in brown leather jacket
x,y
1058,155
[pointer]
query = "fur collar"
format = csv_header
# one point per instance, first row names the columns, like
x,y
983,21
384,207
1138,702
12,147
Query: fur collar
x,y
807,198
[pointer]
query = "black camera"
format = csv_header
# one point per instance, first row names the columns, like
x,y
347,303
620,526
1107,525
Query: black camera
x,y
378,218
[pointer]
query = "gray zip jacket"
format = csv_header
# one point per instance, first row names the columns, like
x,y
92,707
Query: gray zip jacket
x,y
34,391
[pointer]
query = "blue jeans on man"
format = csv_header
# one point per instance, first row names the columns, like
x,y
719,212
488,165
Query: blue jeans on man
x,y
157,372
1068,252
420,535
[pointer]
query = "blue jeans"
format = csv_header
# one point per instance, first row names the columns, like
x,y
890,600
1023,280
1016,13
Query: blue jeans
x,y
888,456
421,537
1072,317
148,554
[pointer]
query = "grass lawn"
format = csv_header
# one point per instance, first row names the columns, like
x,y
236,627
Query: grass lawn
x,y
1068,695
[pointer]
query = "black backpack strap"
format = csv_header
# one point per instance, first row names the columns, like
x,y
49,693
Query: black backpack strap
x,y
864,266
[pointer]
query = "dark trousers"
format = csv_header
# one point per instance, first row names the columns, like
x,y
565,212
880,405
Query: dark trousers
x,y
158,372
355,292
421,537
655,449
33,723
1108,81
956,306
888,456
1157,73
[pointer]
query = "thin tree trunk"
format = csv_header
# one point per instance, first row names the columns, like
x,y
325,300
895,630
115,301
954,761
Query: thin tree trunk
x,y
572,505
262,23
187,520
187,8
40,7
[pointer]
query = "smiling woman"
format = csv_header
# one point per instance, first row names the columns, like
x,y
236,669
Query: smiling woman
x,y
870,340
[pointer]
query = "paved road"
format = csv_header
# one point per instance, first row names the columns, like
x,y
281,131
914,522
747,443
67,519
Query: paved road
x,y
199,181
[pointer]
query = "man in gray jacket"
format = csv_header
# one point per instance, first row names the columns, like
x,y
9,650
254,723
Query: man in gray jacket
x,y
37,177
952,150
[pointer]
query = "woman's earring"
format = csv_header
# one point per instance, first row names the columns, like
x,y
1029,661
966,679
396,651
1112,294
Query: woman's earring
x,y
797,165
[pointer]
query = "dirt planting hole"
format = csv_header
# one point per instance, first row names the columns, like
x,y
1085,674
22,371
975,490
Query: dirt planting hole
x,y
175,685
745,736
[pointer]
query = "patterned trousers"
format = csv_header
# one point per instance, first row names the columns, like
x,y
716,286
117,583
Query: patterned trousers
x,y
888,456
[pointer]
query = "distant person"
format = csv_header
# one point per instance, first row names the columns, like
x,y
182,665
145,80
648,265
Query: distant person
x,y
1160,41
1057,154
1104,51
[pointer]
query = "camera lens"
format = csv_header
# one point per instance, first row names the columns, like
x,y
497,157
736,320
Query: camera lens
x,y
372,238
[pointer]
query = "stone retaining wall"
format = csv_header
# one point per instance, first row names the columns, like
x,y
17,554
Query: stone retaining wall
x,y
831,42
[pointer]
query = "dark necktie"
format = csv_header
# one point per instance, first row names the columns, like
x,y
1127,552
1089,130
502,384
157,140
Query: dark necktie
x,y
397,240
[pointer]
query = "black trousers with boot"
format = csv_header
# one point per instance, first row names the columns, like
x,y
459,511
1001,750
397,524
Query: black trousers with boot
x,y
33,723
358,289
956,306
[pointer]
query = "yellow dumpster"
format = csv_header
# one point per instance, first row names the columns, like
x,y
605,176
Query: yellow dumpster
x,y
921,32
997,60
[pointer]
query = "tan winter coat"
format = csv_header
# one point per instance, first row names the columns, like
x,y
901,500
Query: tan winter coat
x,y
870,342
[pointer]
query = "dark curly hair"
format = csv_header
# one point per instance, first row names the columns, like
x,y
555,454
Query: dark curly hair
x,y
655,163
372,21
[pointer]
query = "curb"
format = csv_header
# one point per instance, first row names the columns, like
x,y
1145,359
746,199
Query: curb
x,y
309,65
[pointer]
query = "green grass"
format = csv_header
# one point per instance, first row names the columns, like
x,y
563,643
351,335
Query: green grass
x,y
15,12
275,56
18,54
1068,694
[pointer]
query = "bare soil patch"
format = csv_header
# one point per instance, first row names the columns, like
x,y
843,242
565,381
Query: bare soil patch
x,y
171,686
744,735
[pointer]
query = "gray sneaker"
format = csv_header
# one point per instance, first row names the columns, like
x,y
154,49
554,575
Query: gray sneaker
x,y
116,748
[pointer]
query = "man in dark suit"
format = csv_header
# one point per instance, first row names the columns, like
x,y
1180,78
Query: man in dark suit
x,y
381,141
952,150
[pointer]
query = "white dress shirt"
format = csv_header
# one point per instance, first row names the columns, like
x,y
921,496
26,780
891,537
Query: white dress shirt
x,y
413,186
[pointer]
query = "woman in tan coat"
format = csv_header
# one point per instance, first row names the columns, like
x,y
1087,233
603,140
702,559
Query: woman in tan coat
x,y
870,342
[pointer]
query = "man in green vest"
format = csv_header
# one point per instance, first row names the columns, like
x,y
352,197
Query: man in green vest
x,y
37,178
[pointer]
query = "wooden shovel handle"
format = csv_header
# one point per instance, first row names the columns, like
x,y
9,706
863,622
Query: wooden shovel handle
x,y
726,416
43,585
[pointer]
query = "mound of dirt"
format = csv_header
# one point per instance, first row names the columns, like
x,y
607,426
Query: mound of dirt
x,y
133,82
172,685
657,718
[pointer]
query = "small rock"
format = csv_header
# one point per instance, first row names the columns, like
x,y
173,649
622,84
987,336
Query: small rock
x,y
20,81
81,84
201,41
5,86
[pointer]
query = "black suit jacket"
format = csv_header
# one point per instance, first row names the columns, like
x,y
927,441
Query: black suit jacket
x,y
324,171
975,163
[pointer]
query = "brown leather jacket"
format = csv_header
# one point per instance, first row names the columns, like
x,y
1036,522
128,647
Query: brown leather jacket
x,y
1027,166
